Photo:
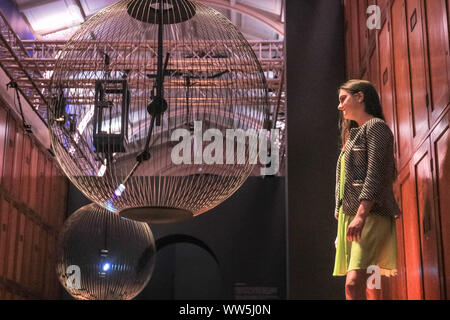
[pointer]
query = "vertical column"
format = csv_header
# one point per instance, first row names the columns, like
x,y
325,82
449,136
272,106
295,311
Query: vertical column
x,y
315,68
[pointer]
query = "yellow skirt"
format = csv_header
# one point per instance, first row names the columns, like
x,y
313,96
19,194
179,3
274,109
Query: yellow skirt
x,y
377,246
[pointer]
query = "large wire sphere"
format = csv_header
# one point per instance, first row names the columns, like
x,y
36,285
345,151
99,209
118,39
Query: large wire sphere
x,y
103,83
101,256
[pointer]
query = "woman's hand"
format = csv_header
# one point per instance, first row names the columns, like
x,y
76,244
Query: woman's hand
x,y
355,227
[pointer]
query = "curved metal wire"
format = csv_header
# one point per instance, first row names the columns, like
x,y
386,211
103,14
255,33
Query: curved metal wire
x,y
122,51
115,256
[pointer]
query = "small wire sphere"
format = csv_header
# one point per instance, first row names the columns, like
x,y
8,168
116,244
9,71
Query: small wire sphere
x,y
102,256
134,84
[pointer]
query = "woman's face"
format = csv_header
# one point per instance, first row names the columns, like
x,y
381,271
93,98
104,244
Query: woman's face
x,y
350,104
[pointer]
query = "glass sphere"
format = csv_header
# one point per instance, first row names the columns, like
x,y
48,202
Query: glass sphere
x,y
102,256
133,85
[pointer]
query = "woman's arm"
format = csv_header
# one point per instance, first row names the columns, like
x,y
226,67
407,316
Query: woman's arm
x,y
379,144
355,228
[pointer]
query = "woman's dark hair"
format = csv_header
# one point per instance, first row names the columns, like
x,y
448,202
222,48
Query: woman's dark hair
x,y
372,105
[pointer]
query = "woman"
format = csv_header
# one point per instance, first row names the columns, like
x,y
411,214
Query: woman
x,y
365,205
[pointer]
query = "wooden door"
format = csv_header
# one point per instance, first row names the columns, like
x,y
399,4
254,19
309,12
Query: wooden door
x,y
46,195
428,222
371,33
384,6
348,42
374,73
398,283
25,176
411,240
17,165
4,215
8,160
352,38
363,31
448,15
42,259
402,82
27,253
12,242
414,85
438,56
386,74
34,179
35,258
52,287
3,135
20,247
61,198
40,184
441,152
419,90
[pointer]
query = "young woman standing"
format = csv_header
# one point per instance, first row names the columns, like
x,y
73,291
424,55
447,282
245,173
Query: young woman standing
x,y
365,205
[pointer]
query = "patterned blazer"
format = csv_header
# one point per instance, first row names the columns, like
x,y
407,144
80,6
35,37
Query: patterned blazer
x,y
370,170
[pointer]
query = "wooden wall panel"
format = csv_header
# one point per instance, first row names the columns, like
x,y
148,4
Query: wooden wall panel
x,y
353,33
414,72
384,6
3,131
448,15
46,193
61,198
371,33
349,60
402,82
34,179
12,241
27,253
33,194
386,91
428,223
8,160
4,215
35,258
42,259
40,184
417,69
438,55
365,75
24,194
411,244
374,70
52,286
58,186
441,151
19,248
398,283
17,165
363,31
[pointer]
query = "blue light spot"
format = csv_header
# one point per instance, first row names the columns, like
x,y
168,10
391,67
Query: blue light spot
x,y
106,267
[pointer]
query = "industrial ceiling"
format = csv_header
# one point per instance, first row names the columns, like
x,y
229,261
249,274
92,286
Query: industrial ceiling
x,y
58,19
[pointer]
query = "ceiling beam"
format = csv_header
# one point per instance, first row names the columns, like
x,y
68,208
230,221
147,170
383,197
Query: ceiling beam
x,y
270,19
34,4
233,13
82,12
